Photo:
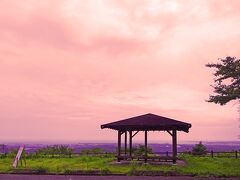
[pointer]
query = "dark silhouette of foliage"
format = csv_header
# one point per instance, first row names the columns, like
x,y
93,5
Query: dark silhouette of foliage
x,y
140,150
199,149
227,80
12,152
59,150
93,151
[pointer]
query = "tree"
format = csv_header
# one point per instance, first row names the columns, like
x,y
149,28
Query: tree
x,y
199,149
227,82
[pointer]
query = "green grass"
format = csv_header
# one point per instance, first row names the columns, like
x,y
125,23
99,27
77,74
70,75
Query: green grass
x,y
207,166
199,166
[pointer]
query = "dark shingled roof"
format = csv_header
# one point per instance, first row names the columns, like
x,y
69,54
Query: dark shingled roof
x,y
148,122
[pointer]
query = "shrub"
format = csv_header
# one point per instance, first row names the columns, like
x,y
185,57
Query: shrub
x,y
68,171
3,155
199,149
93,151
40,170
133,169
97,151
140,150
105,171
59,150
12,153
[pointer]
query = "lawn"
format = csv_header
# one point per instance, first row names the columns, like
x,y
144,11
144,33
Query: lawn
x,y
197,166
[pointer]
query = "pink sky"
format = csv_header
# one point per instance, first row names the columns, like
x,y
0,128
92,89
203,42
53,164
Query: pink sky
x,y
68,66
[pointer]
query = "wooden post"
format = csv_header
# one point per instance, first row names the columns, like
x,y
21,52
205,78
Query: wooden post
x,y
145,146
236,154
18,156
119,146
125,148
174,146
130,144
212,154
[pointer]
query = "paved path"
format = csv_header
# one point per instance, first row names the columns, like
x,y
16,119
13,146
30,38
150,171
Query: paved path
x,y
50,177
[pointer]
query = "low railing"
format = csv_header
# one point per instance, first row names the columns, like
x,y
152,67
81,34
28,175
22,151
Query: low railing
x,y
213,154
229,154
226,154
232,154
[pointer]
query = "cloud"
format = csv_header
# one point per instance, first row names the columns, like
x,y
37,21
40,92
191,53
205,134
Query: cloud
x,y
83,63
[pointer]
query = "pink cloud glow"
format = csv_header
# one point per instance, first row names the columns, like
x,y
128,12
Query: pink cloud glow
x,y
68,66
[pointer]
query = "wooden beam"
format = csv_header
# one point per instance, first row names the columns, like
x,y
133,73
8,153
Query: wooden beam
x,y
135,134
119,145
125,148
145,146
169,133
174,146
130,143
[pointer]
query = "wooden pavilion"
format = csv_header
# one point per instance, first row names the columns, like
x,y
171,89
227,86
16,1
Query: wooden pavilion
x,y
147,122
